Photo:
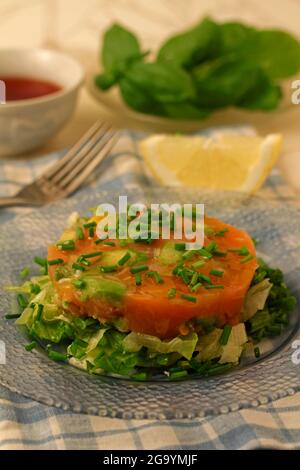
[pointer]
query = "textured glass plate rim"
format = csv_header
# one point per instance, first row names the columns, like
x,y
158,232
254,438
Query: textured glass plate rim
x,y
104,409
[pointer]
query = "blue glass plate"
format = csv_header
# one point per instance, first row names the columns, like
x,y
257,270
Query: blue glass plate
x,y
254,382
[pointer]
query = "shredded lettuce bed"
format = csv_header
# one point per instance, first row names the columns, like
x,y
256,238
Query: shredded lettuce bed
x,y
107,347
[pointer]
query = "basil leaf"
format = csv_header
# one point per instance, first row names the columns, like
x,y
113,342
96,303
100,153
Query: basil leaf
x,y
233,36
185,110
120,49
223,82
164,83
276,52
264,94
105,80
138,99
191,47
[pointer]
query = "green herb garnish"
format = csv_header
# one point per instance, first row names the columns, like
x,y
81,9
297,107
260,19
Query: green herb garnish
x,y
79,283
24,273
79,233
225,335
188,297
22,301
216,272
52,262
179,246
246,259
171,293
66,245
124,259
12,316
139,269
30,346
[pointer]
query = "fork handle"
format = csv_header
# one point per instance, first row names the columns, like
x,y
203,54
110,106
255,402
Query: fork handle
x,y
12,201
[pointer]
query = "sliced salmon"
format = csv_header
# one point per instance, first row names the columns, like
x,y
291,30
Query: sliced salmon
x,y
147,308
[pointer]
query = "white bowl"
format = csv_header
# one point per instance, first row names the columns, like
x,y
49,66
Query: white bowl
x,y
27,124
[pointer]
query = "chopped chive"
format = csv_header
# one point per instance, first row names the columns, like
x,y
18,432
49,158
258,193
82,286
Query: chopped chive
x,y
35,289
184,274
243,251
172,293
79,233
140,377
198,264
196,287
92,255
82,260
179,246
205,253
188,297
22,301
30,346
41,262
156,276
257,352
12,316
78,283
215,286
216,272
108,269
218,369
56,356
163,360
98,241
139,269
204,278
78,267
91,232
221,233
178,375
24,272
220,253
211,247
52,262
109,243
275,329
188,255
90,224
177,269
138,279
225,335
246,259
194,279
66,245
39,312
124,259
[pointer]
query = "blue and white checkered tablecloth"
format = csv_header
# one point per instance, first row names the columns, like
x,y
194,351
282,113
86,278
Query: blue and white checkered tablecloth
x,y
25,424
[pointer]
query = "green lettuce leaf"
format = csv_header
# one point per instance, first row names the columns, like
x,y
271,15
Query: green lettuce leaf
x,y
256,298
209,346
184,345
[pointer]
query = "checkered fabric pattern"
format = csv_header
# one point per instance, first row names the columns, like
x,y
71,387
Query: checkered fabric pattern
x,y
25,424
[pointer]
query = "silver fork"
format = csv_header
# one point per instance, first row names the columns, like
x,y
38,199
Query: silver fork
x,y
69,172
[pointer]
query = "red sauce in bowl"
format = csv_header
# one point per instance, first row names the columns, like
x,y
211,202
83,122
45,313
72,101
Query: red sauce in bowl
x,y
24,88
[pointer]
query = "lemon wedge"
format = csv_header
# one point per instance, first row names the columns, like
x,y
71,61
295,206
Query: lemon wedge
x,y
224,162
